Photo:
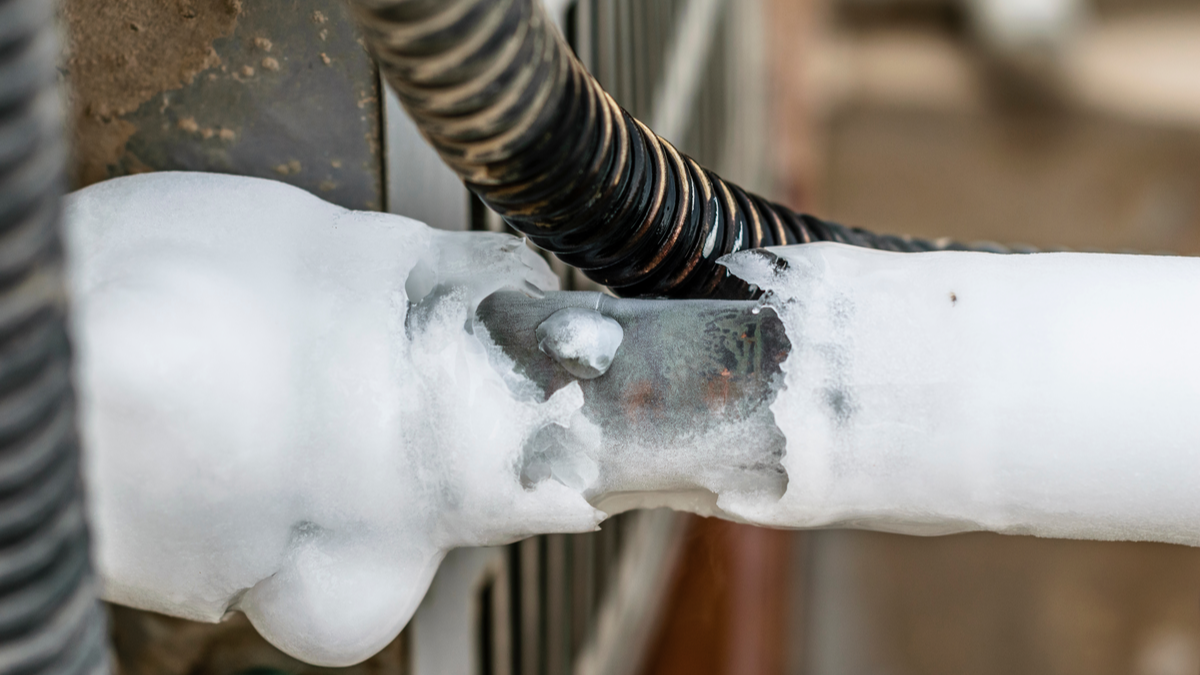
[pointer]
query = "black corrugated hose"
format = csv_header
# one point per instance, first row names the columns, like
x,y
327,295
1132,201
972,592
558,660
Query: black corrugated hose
x,y
496,90
50,620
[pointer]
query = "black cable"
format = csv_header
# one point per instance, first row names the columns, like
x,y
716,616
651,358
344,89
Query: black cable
x,y
496,90
50,620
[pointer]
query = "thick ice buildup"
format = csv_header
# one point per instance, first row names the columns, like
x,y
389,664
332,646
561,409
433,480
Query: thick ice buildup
x,y
294,410
1055,394
272,427
581,340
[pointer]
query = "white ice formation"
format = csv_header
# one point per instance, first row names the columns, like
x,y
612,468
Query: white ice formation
x,y
288,411
272,428
582,340
1054,394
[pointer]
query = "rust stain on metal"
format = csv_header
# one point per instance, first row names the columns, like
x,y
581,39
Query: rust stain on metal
x,y
122,53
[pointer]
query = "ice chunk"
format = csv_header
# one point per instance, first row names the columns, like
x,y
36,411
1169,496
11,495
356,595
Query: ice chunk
x,y
581,340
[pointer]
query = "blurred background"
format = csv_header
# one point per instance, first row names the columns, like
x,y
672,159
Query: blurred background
x,y
1055,123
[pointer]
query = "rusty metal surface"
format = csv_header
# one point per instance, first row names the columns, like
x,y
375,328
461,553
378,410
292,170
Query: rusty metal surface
x,y
285,90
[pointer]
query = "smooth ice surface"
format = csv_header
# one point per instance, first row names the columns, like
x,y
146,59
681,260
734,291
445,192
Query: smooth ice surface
x,y
1055,394
581,340
272,427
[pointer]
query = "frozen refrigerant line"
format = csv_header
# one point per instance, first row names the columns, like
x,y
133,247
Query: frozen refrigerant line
x,y
294,410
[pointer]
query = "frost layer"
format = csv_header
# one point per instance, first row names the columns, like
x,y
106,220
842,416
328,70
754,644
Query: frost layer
x,y
291,410
1054,394
273,425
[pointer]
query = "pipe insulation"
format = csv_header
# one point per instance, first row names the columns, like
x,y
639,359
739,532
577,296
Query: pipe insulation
x,y
499,94
50,621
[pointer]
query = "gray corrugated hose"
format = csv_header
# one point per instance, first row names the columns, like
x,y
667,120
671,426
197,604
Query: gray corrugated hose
x,y
50,620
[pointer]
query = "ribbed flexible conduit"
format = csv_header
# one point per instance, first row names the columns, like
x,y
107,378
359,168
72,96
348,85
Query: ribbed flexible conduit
x,y
50,620
496,90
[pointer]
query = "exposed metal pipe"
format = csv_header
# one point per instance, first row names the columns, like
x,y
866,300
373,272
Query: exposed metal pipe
x,y
497,91
50,621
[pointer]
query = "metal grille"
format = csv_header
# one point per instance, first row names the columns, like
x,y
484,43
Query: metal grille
x,y
706,138
625,44
586,603
558,582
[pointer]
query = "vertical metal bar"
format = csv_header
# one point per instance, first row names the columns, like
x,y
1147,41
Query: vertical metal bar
x,y
606,42
585,33
625,52
640,74
720,70
485,646
493,618
504,633
601,564
582,588
558,602
419,185
530,614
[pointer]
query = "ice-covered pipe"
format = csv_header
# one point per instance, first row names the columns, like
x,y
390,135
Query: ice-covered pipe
x,y
295,410
1053,394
